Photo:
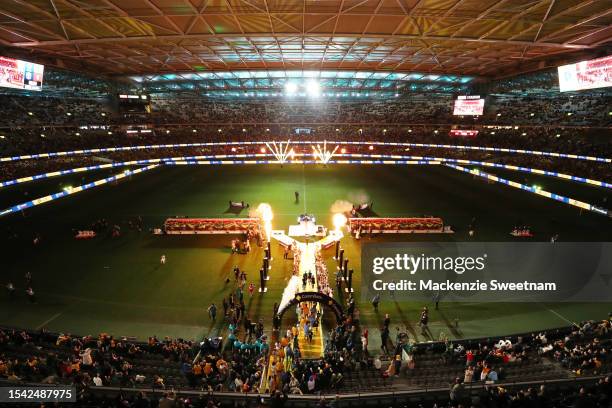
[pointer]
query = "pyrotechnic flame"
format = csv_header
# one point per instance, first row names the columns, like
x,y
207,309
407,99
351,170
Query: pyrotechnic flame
x,y
265,212
323,155
280,151
339,221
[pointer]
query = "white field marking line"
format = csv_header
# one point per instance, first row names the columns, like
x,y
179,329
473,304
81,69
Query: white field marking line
x,y
49,320
561,317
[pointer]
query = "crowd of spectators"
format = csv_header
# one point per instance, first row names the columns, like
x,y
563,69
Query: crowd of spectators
x,y
95,361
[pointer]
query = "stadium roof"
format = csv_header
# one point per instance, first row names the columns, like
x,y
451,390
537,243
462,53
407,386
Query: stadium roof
x,y
327,83
473,37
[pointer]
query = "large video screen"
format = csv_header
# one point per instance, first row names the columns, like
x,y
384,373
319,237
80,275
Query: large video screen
x,y
468,106
20,74
590,74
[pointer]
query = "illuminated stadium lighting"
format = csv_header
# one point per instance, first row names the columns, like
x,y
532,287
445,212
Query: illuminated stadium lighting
x,y
313,88
30,113
77,134
532,114
167,131
103,114
499,114
337,130
516,128
68,114
558,135
267,129
2,137
524,134
42,135
435,131
610,113
384,130
409,130
291,88
492,133
110,133
360,130
243,129
569,113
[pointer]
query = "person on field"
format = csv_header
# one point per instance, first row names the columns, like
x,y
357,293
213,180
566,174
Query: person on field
x,y
212,311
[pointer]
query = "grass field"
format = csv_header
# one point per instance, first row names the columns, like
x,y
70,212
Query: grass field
x,y
118,286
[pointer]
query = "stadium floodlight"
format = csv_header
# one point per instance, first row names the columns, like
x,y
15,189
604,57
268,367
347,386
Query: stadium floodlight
x,y
313,89
532,114
267,129
42,135
2,137
68,114
409,130
499,114
291,88
103,114
243,130
110,133
523,134
167,131
30,114
77,134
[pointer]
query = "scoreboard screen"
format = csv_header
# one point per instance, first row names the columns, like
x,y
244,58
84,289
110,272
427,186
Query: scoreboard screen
x,y
591,74
20,74
468,106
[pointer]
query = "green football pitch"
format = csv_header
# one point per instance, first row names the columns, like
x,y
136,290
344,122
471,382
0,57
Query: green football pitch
x,y
117,285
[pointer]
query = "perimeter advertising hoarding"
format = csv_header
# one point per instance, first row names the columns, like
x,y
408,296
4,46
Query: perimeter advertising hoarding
x,y
20,74
590,74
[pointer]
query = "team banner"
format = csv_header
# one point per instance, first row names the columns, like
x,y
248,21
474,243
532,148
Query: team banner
x,y
488,271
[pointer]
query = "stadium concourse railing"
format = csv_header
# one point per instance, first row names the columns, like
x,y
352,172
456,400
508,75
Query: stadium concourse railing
x,y
382,398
